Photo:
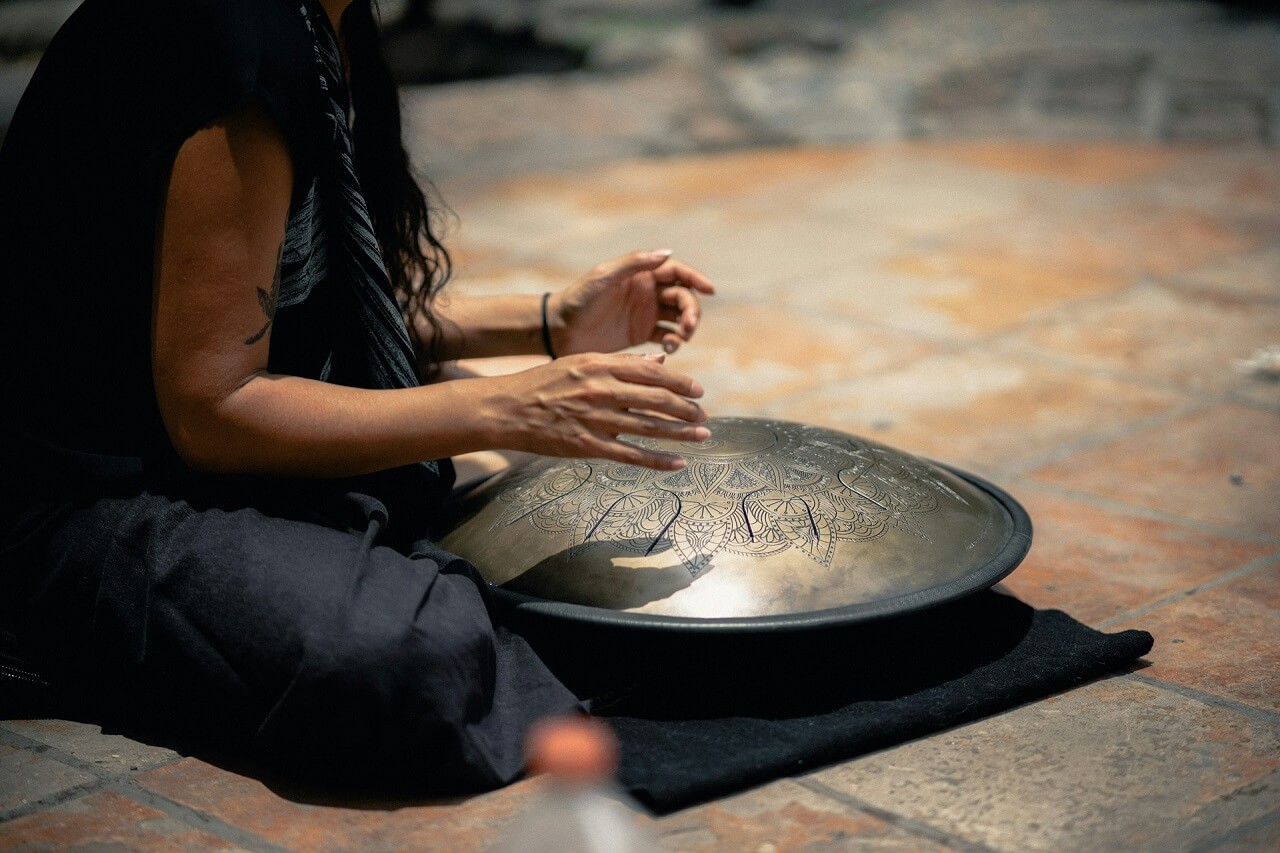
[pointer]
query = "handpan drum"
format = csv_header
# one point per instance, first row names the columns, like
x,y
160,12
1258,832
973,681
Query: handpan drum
x,y
772,525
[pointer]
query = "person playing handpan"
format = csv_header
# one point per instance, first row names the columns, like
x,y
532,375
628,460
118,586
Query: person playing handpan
x,y
224,466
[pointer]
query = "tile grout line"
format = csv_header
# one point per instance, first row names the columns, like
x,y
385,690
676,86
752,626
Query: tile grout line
x,y
1259,714
195,818
1069,364
1220,841
22,741
66,795
1227,577
125,785
1103,502
27,744
1090,441
949,345
893,819
1186,282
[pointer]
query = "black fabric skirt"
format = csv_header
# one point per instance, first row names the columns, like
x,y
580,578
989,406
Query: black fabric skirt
x,y
306,631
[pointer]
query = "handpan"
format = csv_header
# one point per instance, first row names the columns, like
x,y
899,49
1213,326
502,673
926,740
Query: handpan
x,y
772,525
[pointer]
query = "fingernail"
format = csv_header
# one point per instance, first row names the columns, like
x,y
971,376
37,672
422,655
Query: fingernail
x,y
656,356
661,253
678,463
669,346
701,434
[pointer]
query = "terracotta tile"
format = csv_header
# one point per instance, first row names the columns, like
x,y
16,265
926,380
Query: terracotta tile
x,y
667,186
749,220
955,292
105,821
112,753
1218,464
597,213
782,816
1250,274
1224,640
1127,237
986,291
880,289
1191,339
500,275
1092,163
748,352
1114,765
28,776
245,803
1232,179
917,191
744,251
1099,563
976,407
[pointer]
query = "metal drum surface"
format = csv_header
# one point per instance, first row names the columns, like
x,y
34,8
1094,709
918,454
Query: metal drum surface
x,y
772,525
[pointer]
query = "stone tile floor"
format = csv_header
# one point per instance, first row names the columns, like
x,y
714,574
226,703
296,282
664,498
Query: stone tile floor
x,y
1061,313
1062,318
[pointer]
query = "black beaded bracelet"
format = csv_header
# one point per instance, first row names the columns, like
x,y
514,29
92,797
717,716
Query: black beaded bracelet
x,y
546,329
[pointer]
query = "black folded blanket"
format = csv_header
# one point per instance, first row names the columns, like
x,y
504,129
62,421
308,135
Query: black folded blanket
x,y
704,716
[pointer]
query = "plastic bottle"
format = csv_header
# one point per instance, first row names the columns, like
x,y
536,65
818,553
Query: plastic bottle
x,y
580,811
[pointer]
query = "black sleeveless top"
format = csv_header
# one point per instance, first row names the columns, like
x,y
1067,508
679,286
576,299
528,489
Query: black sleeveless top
x,y
82,178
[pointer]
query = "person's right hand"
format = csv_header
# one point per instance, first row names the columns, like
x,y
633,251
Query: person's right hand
x,y
577,406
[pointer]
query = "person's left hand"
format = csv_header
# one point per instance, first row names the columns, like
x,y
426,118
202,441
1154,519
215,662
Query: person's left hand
x,y
643,296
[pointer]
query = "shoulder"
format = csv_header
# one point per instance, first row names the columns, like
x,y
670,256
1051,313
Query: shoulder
x,y
124,85
247,44
221,53
190,34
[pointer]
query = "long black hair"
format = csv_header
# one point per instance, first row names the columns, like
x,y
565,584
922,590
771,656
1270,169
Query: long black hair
x,y
404,206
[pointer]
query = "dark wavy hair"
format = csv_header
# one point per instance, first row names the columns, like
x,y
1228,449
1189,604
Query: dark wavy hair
x,y
404,206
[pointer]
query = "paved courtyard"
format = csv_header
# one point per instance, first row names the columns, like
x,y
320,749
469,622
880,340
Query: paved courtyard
x,y
1064,295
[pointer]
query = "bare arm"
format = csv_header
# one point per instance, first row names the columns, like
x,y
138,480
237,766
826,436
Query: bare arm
x,y
217,262
642,296
485,326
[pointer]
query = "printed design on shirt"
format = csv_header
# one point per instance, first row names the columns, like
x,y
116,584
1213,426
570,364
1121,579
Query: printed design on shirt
x,y
303,263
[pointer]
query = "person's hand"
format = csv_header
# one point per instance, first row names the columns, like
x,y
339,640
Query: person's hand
x,y
577,406
643,296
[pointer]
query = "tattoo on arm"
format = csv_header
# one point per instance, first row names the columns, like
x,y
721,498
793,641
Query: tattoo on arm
x,y
269,301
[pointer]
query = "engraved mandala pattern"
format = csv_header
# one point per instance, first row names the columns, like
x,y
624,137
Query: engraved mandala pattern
x,y
754,488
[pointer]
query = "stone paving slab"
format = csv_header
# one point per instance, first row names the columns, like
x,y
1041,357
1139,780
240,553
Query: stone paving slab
x,y
1098,563
296,822
1190,339
1117,765
110,753
978,407
1262,835
1217,464
106,821
1203,637
788,816
1255,274
761,351
28,776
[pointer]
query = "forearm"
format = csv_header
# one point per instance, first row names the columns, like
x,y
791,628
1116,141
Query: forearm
x,y
288,426
485,326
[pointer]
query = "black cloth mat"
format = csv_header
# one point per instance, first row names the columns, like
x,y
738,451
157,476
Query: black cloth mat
x,y
702,716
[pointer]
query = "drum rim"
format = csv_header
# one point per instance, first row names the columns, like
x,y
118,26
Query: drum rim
x,y
1007,557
